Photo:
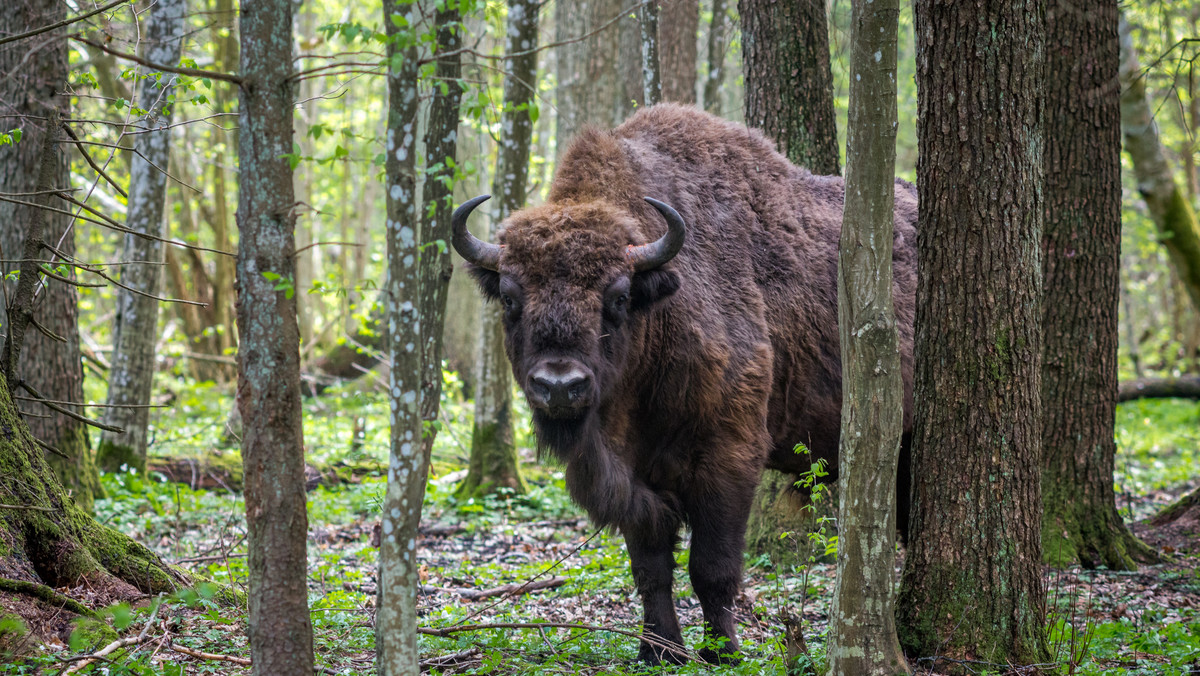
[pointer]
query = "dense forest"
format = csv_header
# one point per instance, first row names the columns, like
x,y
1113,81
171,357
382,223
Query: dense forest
x,y
445,336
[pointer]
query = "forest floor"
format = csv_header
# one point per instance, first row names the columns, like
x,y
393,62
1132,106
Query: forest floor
x,y
1101,622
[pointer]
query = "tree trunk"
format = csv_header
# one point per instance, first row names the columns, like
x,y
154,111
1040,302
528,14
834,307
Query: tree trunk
x,y
1081,251
789,85
862,625
678,22
494,460
396,621
972,586
590,86
135,329
796,112
35,72
651,70
268,394
718,42
1165,200
49,540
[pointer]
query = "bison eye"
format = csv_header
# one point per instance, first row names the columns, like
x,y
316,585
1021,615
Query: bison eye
x,y
622,302
507,300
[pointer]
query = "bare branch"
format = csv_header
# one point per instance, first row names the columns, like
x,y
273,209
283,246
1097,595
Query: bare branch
x,y
178,70
83,151
67,412
60,24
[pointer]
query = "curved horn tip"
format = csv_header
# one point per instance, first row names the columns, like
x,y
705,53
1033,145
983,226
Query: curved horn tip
x,y
471,248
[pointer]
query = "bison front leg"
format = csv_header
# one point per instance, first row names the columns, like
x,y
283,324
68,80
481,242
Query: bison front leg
x,y
652,559
715,566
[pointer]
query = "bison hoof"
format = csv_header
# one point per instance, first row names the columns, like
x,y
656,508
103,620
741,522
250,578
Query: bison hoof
x,y
655,655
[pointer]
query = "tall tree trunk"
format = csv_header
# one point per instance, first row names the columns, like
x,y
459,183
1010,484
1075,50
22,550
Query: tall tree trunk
x,y
972,585
789,95
590,86
678,22
268,394
718,42
862,625
396,621
789,85
34,74
651,69
1081,251
1167,203
135,328
494,461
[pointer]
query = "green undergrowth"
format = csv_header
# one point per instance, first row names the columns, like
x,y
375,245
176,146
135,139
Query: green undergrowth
x,y
1158,446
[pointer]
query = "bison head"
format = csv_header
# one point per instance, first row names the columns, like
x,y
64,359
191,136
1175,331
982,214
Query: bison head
x,y
574,291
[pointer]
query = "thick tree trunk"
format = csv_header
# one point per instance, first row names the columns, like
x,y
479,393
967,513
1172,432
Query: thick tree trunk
x,y
1081,251
972,585
35,72
789,85
408,467
49,540
494,460
268,394
718,42
678,22
862,625
1165,200
135,329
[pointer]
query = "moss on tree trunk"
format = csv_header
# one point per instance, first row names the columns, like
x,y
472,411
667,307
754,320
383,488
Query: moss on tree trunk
x,y
47,539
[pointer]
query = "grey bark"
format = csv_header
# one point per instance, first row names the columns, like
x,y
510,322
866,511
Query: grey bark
x,y
131,375
590,87
268,393
33,73
396,620
651,72
494,461
862,625
718,42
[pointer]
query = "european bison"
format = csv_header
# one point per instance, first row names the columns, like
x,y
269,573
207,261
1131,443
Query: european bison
x,y
671,349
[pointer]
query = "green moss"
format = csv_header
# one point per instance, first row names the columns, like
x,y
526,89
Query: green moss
x,y
13,634
114,457
90,635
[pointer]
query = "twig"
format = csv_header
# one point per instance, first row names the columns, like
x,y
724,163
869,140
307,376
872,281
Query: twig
x,y
118,644
200,655
45,445
451,660
60,24
309,246
82,404
83,151
511,589
33,507
190,72
70,414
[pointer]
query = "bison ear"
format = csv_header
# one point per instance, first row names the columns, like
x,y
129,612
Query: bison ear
x,y
650,287
488,281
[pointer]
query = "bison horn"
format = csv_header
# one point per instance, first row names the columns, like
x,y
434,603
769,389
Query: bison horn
x,y
476,251
645,257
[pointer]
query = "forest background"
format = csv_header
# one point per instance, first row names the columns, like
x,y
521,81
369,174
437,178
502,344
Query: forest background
x,y
338,160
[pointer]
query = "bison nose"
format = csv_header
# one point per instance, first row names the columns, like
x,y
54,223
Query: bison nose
x,y
559,388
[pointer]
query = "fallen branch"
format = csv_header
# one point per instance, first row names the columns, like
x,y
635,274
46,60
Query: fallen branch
x,y
1160,388
452,660
44,593
232,659
513,589
117,644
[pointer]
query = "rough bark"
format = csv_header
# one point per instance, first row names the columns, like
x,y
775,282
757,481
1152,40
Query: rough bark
x,y
678,22
49,540
718,42
34,74
494,461
396,621
1165,200
1081,251
789,85
441,146
268,395
862,626
135,328
590,87
972,586
652,90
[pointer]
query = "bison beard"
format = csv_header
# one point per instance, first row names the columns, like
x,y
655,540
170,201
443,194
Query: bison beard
x,y
670,350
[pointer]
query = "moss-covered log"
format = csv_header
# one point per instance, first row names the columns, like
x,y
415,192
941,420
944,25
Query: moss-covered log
x,y
47,539
210,471
1160,388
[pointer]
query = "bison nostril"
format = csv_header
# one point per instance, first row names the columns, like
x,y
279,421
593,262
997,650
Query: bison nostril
x,y
558,390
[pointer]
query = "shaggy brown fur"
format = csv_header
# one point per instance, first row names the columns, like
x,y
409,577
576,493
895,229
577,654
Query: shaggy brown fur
x,y
703,371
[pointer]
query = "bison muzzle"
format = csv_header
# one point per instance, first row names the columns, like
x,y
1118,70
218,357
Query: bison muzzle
x,y
670,350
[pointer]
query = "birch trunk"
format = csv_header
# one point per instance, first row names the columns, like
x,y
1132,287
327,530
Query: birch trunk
x,y
131,376
494,461
268,395
972,584
862,623
651,73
